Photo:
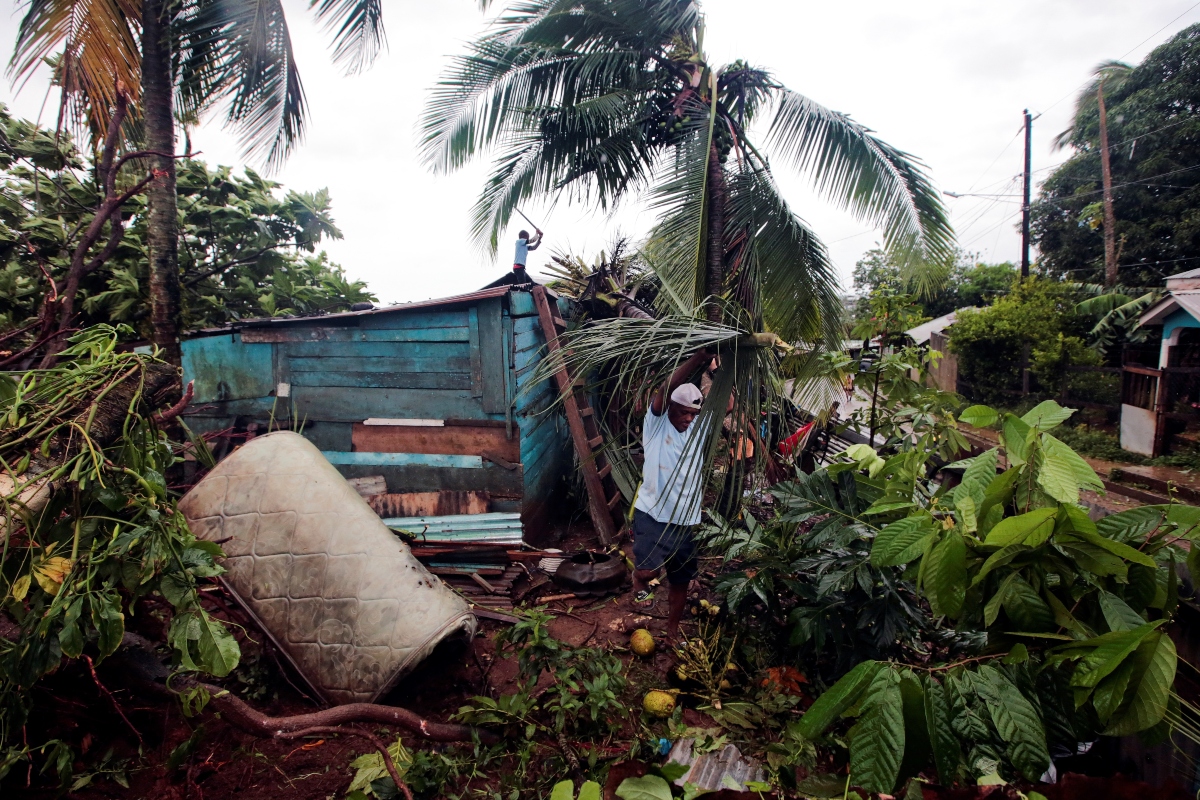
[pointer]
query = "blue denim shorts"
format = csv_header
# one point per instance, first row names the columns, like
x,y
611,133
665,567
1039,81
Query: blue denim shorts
x,y
661,544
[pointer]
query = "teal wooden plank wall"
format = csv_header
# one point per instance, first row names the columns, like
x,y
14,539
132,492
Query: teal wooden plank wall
x,y
473,362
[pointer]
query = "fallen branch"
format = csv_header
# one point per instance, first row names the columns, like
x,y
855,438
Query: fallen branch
x,y
238,713
104,690
163,417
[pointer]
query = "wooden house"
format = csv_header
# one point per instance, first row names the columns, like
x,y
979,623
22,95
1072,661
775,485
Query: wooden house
x,y
427,405
1160,388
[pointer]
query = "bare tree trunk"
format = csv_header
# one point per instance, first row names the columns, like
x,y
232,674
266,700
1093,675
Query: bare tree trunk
x,y
714,284
162,231
1110,218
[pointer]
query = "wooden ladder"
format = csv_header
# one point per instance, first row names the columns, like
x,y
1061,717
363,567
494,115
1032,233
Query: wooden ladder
x,y
604,499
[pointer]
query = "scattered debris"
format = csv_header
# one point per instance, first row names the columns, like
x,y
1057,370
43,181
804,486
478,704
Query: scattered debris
x,y
726,768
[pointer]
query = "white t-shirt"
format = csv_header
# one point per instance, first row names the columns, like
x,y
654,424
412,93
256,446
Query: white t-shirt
x,y
671,491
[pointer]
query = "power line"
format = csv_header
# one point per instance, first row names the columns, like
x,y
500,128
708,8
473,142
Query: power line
x,y
1128,183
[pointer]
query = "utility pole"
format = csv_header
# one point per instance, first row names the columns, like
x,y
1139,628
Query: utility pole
x,y
1025,204
1110,217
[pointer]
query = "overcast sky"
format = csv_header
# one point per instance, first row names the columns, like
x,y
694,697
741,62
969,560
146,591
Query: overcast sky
x,y
945,80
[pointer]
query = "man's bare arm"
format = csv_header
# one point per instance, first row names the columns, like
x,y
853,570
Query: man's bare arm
x,y
658,403
536,241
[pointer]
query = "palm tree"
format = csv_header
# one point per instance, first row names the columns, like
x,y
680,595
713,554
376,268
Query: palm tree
x,y
1090,109
195,55
603,100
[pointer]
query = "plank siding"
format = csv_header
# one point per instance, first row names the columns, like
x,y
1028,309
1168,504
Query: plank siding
x,y
451,440
471,362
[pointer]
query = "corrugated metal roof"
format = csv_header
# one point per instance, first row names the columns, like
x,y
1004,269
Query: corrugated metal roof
x,y
492,528
922,332
263,322
1186,299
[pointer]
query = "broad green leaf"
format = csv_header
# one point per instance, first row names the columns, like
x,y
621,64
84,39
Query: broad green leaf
x,y
1064,618
978,474
945,579
1017,722
839,697
901,541
979,416
1109,694
563,790
877,739
998,559
1122,551
1153,677
1035,525
881,507
1025,607
946,751
1073,518
965,507
1047,415
1000,490
590,790
1117,613
647,787
219,651
1063,473
916,732
991,611
1091,557
1016,436
1105,658
1186,517
1134,524
20,587
70,638
109,622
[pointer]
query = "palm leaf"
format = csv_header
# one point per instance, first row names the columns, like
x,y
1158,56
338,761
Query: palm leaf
x,y
99,51
241,52
357,26
797,285
858,171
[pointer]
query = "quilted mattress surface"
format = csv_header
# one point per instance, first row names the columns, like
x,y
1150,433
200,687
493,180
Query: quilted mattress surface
x,y
340,595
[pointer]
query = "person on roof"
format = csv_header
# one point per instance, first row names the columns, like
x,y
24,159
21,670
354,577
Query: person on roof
x,y
667,507
525,245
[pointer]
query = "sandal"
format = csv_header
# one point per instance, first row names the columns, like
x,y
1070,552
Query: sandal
x,y
644,599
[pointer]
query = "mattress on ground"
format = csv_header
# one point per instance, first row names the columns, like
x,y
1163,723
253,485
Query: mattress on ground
x,y
340,595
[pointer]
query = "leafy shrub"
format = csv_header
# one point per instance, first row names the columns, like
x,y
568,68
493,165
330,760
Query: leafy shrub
x,y
990,343
809,567
109,535
1073,611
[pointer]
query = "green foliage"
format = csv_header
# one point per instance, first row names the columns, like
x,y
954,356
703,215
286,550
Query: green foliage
x,y
1152,136
244,250
810,570
583,702
909,415
1072,610
970,283
990,343
109,534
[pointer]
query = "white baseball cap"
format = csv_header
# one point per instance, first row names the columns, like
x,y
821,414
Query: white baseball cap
x,y
688,396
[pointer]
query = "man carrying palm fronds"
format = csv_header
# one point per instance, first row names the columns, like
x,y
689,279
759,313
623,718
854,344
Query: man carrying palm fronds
x,y
667,507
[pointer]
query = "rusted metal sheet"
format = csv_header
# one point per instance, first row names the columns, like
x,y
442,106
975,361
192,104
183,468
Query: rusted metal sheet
x,y
429,504
448,440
